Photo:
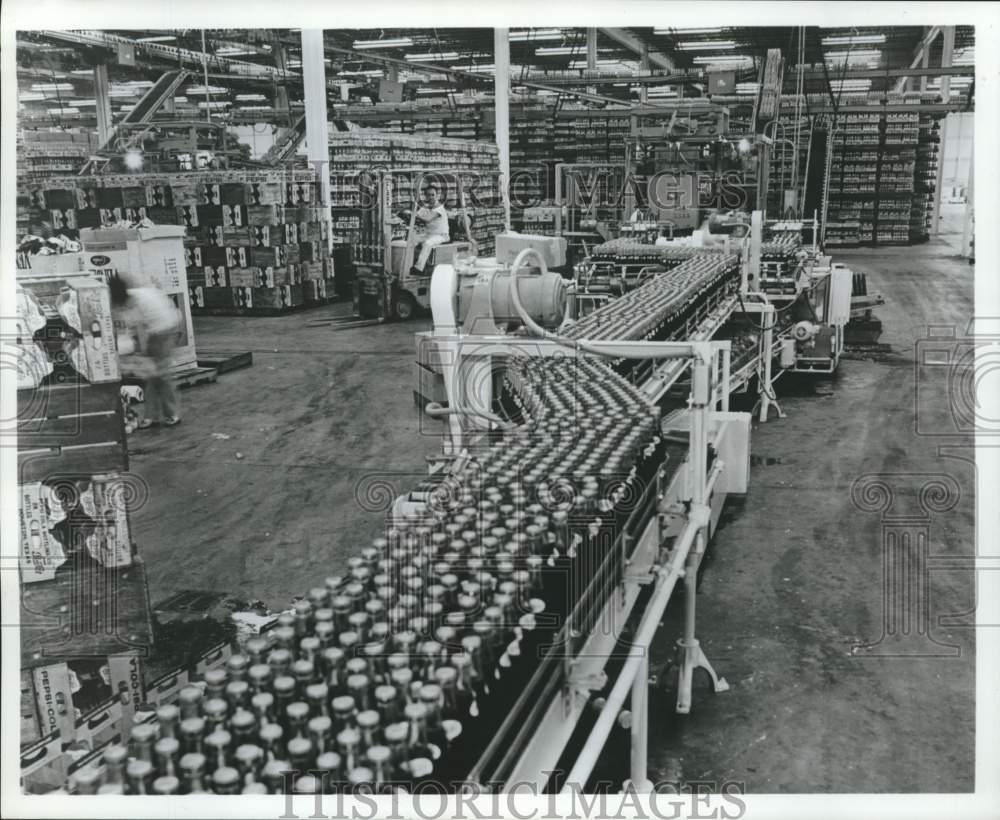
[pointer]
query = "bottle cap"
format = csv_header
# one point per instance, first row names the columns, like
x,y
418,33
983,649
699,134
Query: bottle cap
x,y
248,753
360,775
385,693
328,762
297,711
343,704
299,747
225,776
166,785
167,746
396,732
368,719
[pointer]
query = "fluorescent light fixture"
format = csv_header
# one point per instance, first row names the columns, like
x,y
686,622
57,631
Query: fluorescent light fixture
x,y
83,72
706,45
432,58
599,63
735,60
255,108
233,51
854,40
64,110
841,56
250,98
84,103
52,87
552,51
212,89
214,104
159,38
436,90
686,30
483,69
389,42
30,96
536,34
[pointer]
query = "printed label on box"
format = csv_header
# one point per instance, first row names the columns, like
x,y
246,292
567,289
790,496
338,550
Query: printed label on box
x,y
41,553
103,501
54,698
128,685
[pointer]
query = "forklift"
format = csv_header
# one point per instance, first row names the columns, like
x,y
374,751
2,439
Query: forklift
x,y
388,289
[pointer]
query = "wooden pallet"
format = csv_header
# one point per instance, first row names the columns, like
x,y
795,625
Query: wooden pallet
x,y
224,361
267,311
195,376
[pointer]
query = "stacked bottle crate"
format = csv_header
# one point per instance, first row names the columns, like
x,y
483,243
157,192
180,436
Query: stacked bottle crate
x,y
925,178
255,241
357,157
871,179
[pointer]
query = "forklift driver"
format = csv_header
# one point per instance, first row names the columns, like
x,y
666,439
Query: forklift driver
x,y
431,228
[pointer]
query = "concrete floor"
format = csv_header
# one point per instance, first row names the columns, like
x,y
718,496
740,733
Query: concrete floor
x,y
270,483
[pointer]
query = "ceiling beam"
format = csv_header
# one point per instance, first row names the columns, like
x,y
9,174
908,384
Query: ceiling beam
x,y
923,49
639,48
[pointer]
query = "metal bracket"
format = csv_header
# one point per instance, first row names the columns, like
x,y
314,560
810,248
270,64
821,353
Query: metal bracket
x,y
580,684
584,683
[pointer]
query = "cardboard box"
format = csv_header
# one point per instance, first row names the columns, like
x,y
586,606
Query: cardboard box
x,y
281,296
314,290
84,304
166,688
41,553
237,257
101,725
54,700
30,726
243,277
110,542
242,297
128,686
214,658
44,765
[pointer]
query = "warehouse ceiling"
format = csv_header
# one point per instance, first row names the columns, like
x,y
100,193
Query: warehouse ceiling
x,y
249,69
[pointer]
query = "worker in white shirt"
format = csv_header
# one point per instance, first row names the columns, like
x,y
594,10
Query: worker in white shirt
x,y
151,315
431,228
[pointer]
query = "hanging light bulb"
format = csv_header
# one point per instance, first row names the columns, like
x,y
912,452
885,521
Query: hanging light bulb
x,y
133,160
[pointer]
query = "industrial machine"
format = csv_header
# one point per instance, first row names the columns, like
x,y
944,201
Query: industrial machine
x,y
578,421
391,291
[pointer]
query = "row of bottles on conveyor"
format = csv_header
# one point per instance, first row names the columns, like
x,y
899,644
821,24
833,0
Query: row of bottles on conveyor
x,y
403,668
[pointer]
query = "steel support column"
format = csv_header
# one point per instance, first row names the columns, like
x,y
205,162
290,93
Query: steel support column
x,y
103,99
317,132
591,55
501,97
947,50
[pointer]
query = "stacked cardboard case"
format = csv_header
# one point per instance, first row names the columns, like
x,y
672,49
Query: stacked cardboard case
x,y
358,157
254,241
85,620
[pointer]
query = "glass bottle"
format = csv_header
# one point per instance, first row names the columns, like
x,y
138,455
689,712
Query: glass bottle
x,y
168,716
167,751
192,731
297,715
217,748
139,774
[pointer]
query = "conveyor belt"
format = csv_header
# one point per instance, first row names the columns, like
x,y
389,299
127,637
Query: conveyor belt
x,y
648,311
465,617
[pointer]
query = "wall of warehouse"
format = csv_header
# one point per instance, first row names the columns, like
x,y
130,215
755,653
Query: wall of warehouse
x,y
957,153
